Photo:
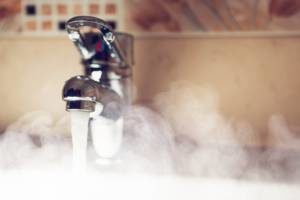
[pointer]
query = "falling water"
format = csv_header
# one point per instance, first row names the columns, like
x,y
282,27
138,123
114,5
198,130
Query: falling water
x,y
79,130
107,136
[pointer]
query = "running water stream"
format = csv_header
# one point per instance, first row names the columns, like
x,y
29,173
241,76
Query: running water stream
x,y
79,130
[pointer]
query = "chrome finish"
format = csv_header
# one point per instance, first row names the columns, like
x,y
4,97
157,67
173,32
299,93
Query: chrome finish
x,y
105,89
107,57
99,45
82,93
86,27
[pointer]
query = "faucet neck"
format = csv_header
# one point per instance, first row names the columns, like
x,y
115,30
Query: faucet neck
x,y
104,71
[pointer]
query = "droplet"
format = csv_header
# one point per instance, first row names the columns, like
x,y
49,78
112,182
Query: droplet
x,y
109,37
74,36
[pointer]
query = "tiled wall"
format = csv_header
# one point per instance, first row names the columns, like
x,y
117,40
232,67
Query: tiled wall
x,y
48,17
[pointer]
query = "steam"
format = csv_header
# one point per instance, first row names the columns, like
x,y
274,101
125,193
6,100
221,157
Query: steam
x,y
35,142
190,137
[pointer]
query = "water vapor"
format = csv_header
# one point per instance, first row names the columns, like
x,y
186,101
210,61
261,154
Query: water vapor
x,y
186,135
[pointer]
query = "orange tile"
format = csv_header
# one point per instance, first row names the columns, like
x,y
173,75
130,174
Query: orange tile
x,y
77,9
62,9
46,9
94,9
47,25
31,25
111,8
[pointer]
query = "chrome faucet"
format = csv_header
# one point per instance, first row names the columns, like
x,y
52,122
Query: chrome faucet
x,y
105,89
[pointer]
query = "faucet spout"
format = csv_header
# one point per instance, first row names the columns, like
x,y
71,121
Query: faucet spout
x,y
84,94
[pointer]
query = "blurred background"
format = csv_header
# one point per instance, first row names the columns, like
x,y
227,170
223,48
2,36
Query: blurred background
x,y
247,51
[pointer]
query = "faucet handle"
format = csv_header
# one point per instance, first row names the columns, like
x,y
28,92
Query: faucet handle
x,y
96,41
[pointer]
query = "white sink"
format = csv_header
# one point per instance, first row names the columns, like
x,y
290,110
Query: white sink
x,y
41,186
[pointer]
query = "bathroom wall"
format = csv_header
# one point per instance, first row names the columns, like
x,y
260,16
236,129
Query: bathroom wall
x,y
254,76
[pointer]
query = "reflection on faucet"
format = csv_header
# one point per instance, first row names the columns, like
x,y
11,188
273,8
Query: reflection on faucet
x,y
83,93
105,89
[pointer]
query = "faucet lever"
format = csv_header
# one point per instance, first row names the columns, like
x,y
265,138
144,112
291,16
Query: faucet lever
x,y
96,41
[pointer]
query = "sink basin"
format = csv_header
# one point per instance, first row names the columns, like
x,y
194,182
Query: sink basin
x,y
134,186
